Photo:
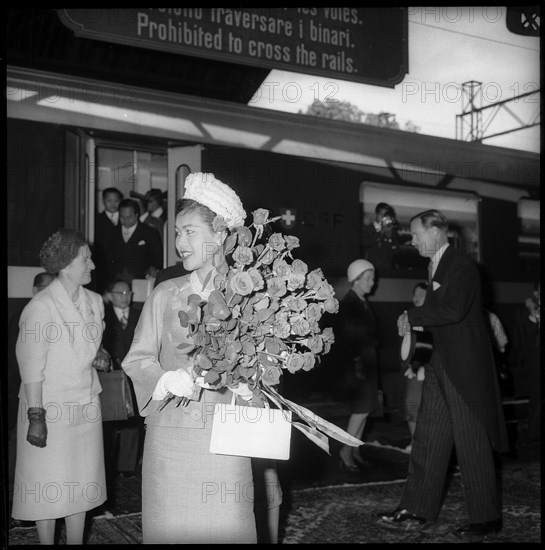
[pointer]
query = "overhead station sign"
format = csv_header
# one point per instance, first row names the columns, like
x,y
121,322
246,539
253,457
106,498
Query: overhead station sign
x,y
366,45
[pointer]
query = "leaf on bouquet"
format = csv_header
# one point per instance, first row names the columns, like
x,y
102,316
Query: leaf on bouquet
x,y
186,348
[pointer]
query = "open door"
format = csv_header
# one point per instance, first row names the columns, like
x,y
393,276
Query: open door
x,y
181,162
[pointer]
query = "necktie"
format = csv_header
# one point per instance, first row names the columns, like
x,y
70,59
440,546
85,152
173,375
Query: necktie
x,y
124,320
430,272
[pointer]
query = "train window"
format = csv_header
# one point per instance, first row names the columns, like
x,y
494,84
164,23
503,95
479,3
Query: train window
x,y
461,210
529,242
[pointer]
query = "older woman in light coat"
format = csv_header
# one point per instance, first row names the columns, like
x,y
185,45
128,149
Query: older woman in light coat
x,y
59,469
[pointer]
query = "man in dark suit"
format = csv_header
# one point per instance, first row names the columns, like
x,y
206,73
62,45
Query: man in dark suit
x,y
136,251
461,402
155,215
122,438
105,224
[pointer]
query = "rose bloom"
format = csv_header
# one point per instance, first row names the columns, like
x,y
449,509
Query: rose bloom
x,y
242,283
219,224
313,312
257,279
281,268
244,235
295,281
261,215
269,256
281,330
328,338
276,242
315,279
295,304
300,327
300,267
315,344
243,255
331,305
276,287
325,291
294,362
291,242
308,361
271,375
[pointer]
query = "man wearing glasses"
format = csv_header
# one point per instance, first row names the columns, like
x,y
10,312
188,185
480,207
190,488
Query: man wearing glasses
x,y
123,436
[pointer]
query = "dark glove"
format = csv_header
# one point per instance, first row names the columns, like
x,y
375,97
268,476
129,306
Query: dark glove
x,y
37,429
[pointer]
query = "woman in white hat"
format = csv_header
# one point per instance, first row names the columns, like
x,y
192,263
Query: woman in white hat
x,y
189,495
357,335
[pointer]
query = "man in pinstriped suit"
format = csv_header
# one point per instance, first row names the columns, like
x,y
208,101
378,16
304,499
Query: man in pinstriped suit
x,y
461,403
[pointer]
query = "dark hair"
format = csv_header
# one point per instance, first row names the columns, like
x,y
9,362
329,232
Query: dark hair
x,y
155,194
111,284
186,206
115,190
422,285
130,203
61,249
386,209
432,218
40,278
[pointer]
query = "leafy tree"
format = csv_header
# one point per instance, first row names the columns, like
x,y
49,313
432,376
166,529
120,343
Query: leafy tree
x,y
344,110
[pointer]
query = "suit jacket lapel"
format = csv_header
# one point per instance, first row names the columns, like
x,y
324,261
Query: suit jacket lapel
x,y
65,306
443,264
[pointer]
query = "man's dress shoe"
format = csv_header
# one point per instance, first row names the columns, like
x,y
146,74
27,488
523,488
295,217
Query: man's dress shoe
x,y
480,529
402,519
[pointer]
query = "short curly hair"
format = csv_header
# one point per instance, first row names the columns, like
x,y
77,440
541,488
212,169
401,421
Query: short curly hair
x,y
61,249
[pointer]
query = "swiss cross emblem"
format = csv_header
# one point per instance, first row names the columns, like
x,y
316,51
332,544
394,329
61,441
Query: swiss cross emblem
x,y
287,217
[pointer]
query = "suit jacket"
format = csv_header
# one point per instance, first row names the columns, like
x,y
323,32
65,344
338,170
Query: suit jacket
x,y
116,339
57,345
130,260
453,313
155,350
104,230
157,223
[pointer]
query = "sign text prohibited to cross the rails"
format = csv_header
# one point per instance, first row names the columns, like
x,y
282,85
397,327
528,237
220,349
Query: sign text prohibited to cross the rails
x,y
366,45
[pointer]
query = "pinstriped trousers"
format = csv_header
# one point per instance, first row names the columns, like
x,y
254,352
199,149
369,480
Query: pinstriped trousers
x,y
445,420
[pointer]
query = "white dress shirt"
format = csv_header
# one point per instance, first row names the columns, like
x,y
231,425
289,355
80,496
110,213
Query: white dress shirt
x,y
113,217
436,258
127,233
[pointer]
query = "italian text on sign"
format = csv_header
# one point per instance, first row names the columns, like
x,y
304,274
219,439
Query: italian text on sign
x,y
366,45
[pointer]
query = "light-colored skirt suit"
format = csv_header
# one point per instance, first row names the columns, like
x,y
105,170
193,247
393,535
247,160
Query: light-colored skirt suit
x,y
56,346
189,495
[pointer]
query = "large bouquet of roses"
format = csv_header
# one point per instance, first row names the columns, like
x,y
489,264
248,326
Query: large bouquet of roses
x,y
261,320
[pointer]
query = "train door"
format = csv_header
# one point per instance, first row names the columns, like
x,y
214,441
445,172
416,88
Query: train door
x,y
181,162
134,169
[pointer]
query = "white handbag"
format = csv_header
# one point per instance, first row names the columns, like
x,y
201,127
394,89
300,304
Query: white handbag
x,y
251,431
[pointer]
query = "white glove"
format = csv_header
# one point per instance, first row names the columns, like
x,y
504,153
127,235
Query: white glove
x,y
409,373
177,382
243,390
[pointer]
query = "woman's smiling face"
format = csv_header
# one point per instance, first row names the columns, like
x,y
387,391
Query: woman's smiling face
x,y
196,242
